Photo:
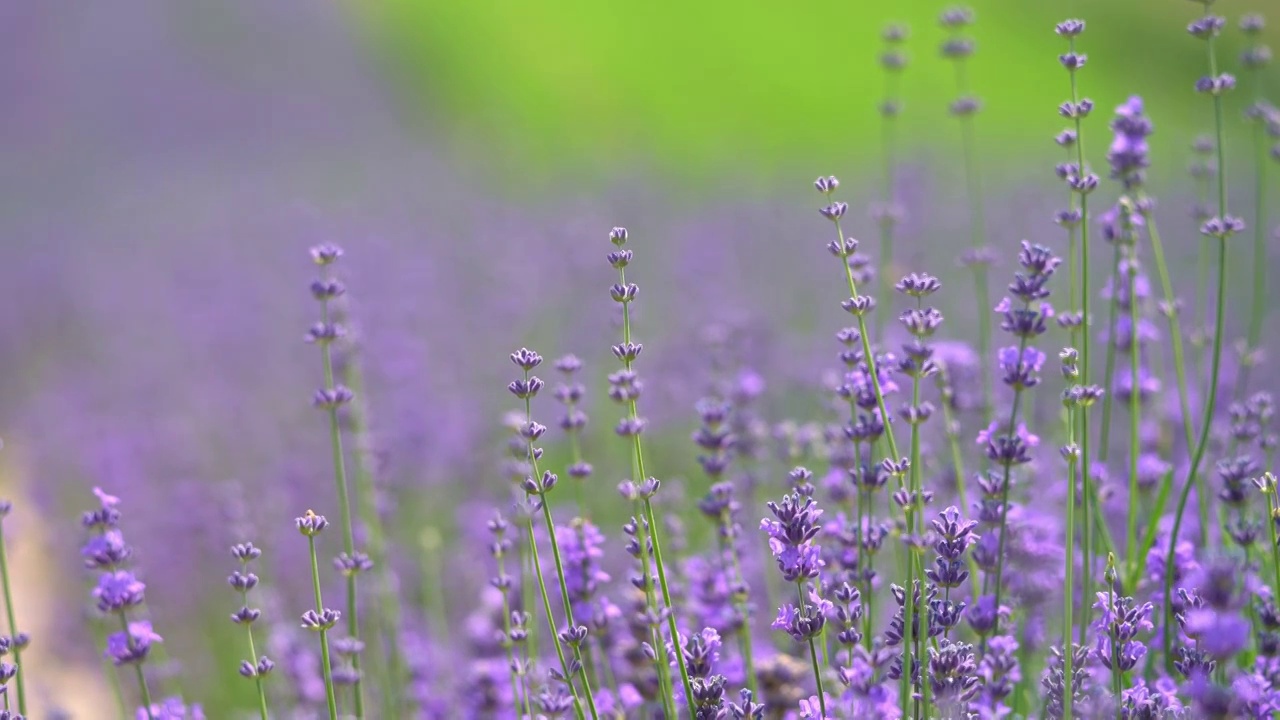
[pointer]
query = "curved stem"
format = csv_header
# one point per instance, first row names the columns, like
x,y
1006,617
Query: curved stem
x,y
326,666
1215,366
560,576
1004,501
652,530
1196,458
344,506
551,622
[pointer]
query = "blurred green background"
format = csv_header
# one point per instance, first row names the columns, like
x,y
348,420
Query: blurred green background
x,y
686,87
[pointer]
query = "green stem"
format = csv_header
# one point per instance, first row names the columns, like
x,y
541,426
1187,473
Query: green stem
x,y
1004,501
666,600
551,622
1068,595
1086,479
11,616
1216,361
560,576
813,655
253,658
870,358
1198,456
637,457
344,506
326,667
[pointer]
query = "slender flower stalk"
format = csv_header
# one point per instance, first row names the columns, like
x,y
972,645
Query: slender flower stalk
x,y
10,612
320,620
917,363
1082,183
536,486
1071,453
242,581
959,48
859,305
1266,121
894,61
331,398
1222,226
626,388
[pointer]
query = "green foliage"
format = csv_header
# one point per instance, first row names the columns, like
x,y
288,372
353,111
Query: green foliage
x,y
689,86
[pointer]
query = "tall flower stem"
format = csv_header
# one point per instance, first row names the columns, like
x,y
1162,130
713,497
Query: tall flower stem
x,y
326,666
11,616
253,650
1004,499
551,620
1198,456
618,236
1069,567
1085,476
869,357
1224,223
344,497
555,555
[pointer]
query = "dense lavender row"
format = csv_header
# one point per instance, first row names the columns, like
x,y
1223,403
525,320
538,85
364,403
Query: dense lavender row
x,y
951,532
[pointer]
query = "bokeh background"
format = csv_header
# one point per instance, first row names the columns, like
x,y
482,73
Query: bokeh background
x,y
166,165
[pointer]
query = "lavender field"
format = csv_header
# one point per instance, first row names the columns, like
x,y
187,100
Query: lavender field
x,y
312,409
